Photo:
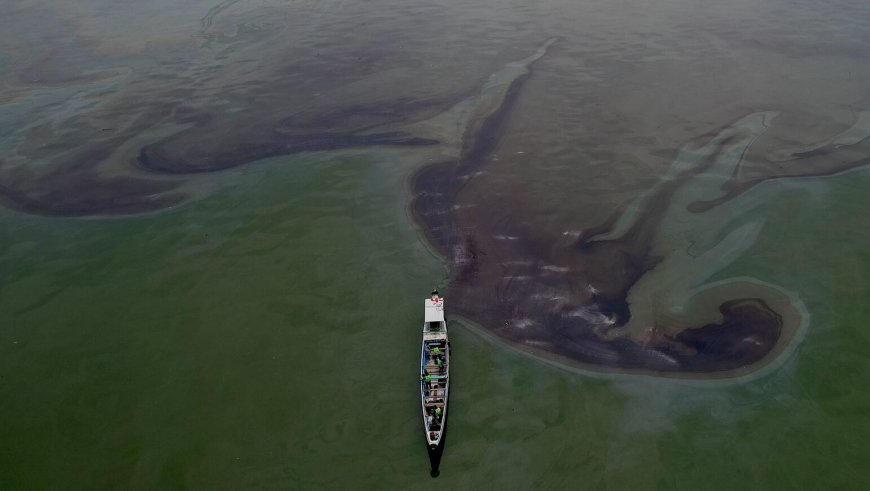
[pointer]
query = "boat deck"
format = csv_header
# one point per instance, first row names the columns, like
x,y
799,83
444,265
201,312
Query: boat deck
x,y
434,371
435,390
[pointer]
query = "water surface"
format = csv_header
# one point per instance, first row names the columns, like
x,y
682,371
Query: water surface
x,y
210,246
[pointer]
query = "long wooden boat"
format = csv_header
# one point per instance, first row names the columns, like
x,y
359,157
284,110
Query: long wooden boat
x,y
434,370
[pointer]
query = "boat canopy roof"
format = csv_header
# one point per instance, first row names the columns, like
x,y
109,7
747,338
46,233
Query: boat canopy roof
x,y
434,310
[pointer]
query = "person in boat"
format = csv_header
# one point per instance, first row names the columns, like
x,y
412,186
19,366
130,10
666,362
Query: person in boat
x,y
435,295
438,412
436,354
428,380
432,419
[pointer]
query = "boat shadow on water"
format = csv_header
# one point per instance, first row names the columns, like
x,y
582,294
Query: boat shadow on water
x,y
436,453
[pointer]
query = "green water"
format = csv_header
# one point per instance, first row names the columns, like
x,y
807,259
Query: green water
x,y
253,341
265,335
268,340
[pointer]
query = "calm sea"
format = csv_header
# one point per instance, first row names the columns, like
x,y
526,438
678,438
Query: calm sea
x,y
262,333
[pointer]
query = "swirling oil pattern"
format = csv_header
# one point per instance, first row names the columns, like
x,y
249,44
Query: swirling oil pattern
x,y
586,184
634,293
649,220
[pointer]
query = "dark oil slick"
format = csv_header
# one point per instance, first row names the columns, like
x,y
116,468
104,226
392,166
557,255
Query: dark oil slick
x,y
218,217
631,292
599,301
